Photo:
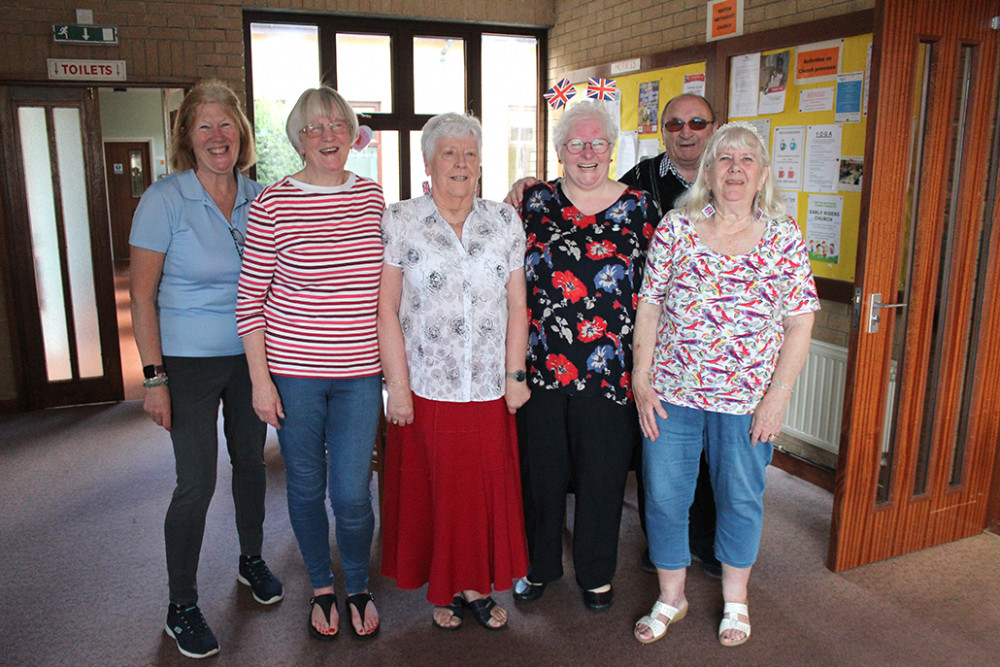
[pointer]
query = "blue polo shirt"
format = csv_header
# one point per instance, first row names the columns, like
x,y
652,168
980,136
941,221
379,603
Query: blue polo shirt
x,y
197,297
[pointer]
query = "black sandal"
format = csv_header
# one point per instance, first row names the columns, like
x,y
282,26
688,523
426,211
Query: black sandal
x,y
456,611
326,603
482,610
360,602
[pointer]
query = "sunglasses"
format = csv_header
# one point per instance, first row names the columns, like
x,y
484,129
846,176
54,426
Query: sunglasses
x,y
676,124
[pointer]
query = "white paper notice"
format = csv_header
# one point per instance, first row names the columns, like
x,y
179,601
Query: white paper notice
x,y
816,99
791,200
773,77
851,172
786,156
823,222
625,159
648,148
822,160
743,85
694,84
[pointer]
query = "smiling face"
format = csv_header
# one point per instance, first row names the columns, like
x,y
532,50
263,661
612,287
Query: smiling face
x,y
326,144
685,147
215,139
454,168
587,169
735,176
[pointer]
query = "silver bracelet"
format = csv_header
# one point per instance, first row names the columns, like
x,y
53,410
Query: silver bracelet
x,y
157,381
782,385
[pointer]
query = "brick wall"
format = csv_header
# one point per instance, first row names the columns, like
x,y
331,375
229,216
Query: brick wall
x,y
181,41
596,32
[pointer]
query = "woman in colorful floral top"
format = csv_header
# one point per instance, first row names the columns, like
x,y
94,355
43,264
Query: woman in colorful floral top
x,y
587,236
723,326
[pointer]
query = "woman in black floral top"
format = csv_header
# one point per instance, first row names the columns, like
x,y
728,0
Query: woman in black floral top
x,y
587,236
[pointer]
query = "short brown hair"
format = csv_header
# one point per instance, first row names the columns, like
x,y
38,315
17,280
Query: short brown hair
x,y
206,92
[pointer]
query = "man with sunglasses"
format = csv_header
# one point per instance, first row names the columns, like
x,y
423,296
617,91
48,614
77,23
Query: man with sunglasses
x,y
688,122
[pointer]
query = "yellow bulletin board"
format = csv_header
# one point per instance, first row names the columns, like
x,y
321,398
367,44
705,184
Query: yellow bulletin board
x,y
854,58
671,84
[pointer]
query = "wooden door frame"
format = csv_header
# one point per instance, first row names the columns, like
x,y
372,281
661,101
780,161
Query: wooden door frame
x,y
890,109
32,395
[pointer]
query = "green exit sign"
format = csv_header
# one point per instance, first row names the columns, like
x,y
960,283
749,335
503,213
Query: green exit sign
x,y
85,34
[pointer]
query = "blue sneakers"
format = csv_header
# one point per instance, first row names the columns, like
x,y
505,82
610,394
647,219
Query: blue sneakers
x,y
255,574
188,628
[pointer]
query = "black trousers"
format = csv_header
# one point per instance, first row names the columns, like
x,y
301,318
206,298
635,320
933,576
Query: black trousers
x,y
701,516
587,442
197,385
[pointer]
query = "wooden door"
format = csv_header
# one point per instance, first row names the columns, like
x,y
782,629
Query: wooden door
x,y
127,167
59,255
921,420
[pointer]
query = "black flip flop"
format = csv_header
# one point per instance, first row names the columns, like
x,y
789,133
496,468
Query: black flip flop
x,y
326,603
456,611
482,611
360,602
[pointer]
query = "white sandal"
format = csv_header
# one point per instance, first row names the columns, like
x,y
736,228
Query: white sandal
x,y
731,613
653,622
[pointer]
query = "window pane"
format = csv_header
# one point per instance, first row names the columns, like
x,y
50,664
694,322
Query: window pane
x,y
379,161
510,93
83,296
438,75
285,62
368,87
44,240
420,182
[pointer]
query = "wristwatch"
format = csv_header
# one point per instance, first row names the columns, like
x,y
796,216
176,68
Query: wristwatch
x,y
151,371
517,376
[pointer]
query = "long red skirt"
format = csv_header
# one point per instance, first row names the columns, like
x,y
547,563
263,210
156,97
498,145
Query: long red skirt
x,y
453,516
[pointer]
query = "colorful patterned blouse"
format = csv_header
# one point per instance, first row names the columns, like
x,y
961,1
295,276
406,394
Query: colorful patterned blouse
x,y
721,329
583,271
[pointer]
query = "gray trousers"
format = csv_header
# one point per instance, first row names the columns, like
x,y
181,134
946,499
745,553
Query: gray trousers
x,y
197,385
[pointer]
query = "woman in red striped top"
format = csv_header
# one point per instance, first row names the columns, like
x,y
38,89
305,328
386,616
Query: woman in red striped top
x,y
306,310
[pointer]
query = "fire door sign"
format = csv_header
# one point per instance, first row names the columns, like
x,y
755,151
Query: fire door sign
x,y
86,70
85,34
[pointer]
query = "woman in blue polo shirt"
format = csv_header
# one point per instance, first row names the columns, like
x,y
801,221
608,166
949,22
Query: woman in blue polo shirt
x,y
186,252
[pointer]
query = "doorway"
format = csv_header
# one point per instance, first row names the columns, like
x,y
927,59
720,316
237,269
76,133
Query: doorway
x,y
127,169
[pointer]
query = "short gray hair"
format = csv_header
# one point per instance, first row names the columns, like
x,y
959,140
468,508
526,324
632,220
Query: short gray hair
x,y
581,111
323,101
737,134
450,125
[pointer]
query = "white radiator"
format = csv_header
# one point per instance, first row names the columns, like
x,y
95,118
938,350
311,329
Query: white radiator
x,y
817,405
818,402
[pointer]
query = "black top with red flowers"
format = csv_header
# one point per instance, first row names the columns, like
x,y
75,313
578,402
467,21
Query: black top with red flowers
x,y
584,274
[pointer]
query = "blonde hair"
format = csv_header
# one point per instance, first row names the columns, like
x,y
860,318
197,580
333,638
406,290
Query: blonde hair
x,y
737,134
314,102
208,92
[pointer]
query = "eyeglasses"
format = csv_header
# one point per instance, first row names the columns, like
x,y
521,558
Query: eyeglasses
x,y
237,239
317,129
676,124
576,146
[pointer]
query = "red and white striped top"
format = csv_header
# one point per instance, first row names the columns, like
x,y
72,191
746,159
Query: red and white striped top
x,y
310,277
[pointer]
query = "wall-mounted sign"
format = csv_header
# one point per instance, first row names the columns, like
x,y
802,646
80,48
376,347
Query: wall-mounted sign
x,y
86,70
84,34
724,18
622,66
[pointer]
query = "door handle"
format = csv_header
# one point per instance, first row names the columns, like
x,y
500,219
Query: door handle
x,y
874,306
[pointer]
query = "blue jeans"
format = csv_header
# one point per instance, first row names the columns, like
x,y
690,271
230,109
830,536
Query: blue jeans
x,y
670,471
326,441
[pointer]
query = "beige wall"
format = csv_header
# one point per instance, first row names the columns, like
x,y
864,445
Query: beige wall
x,y
596,32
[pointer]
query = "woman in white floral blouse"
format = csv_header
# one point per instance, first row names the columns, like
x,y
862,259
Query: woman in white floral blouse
x,y
452,334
